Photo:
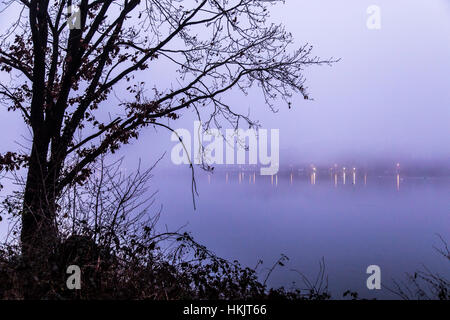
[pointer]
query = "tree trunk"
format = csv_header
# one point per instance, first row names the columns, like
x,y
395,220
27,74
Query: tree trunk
x,y
39,232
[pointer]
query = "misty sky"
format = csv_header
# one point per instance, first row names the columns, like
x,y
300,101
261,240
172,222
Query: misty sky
x,y
388,97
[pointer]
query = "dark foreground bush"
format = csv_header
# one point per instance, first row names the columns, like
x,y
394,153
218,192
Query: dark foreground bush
x,y
185,271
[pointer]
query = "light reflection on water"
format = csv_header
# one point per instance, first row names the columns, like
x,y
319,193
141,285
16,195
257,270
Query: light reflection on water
x,y
390,221
313,178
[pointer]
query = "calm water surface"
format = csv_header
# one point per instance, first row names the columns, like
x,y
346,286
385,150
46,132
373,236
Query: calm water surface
x,y
387,221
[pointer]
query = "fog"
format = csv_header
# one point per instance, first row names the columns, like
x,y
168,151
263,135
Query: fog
x,y
387,98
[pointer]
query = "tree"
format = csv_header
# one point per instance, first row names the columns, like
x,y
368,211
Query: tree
x,y
63,67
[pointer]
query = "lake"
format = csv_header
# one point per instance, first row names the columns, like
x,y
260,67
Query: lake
x,y
389,221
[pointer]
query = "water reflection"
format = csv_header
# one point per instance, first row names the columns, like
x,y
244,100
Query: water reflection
x,y
315,177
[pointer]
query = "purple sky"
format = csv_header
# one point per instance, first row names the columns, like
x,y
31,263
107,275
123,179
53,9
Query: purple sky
x,y
388,97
